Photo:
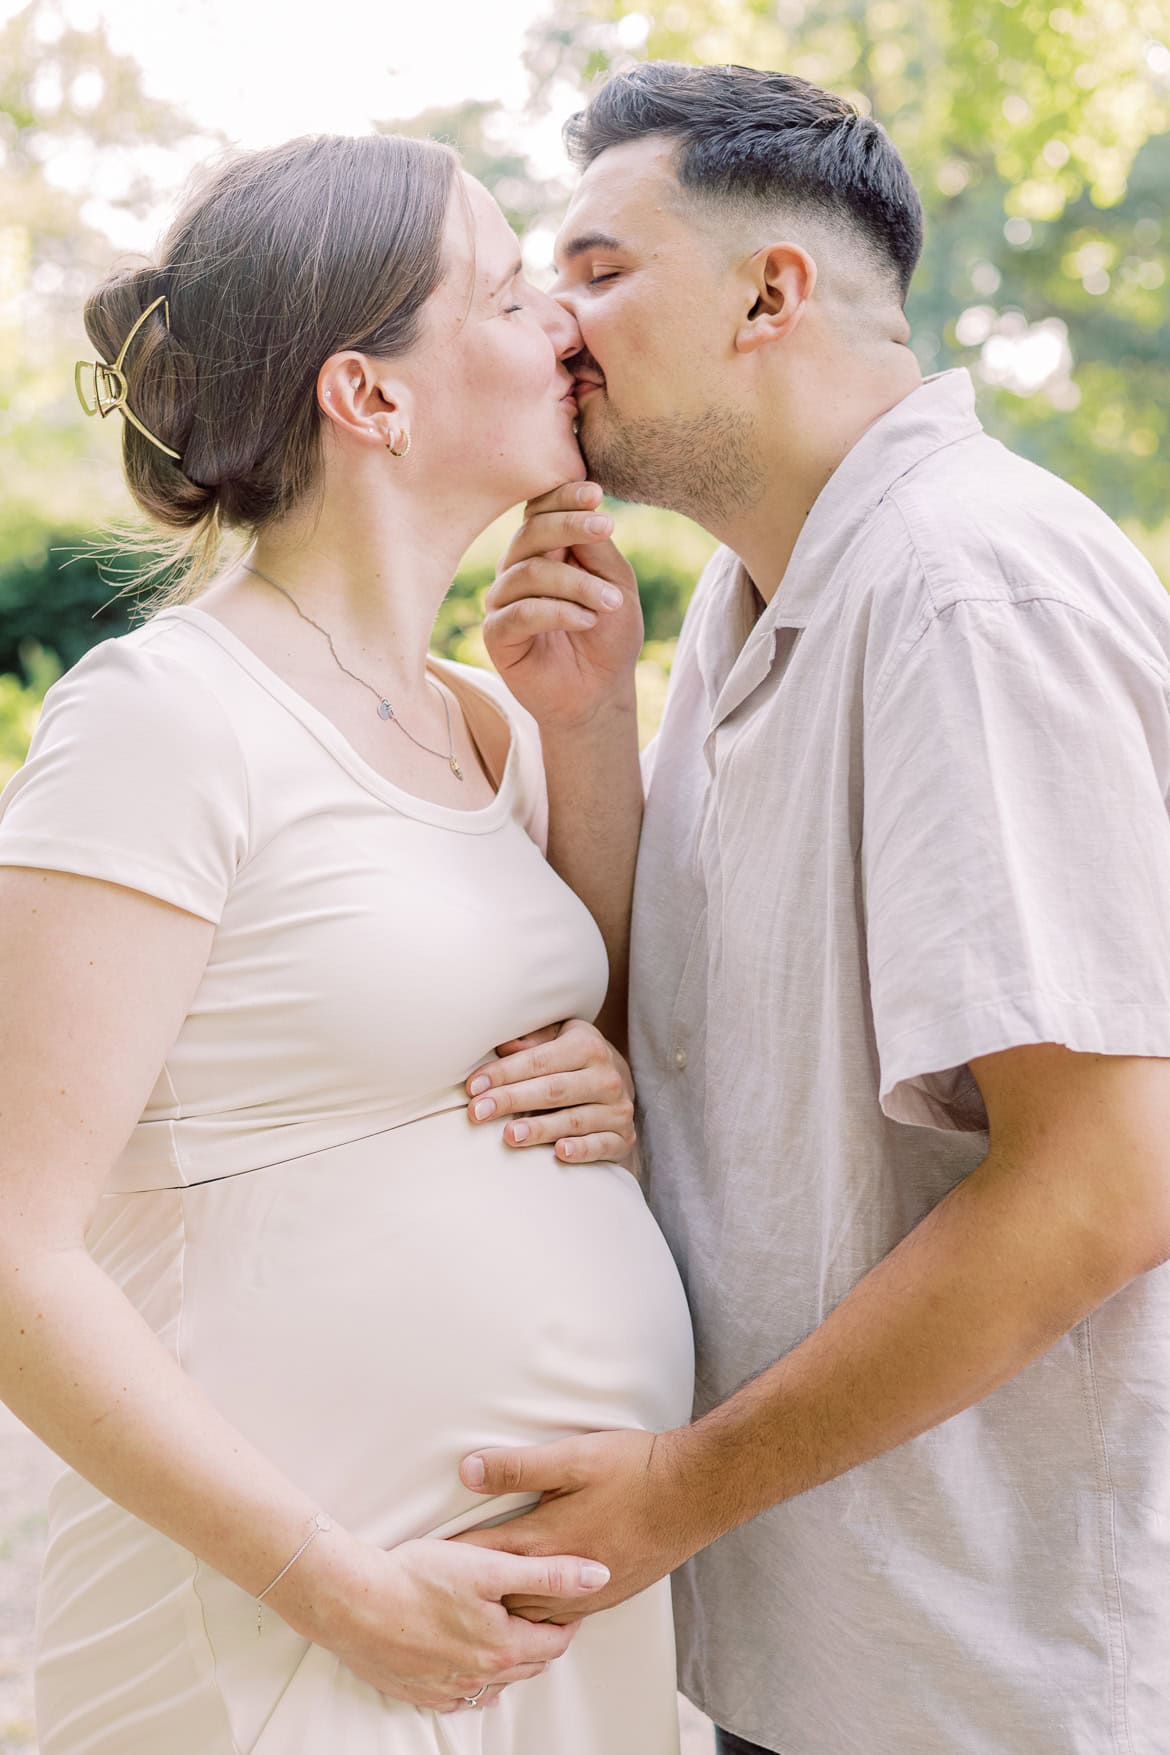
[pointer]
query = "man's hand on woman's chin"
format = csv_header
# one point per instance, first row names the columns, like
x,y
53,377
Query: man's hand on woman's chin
x,y
616,1497
564,622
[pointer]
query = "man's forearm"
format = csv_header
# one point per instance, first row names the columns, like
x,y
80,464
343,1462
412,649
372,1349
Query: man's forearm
x,y
595,818
989,1280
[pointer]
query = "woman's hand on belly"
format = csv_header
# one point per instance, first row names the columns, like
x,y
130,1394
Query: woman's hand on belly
x,y
424,1622
570,1088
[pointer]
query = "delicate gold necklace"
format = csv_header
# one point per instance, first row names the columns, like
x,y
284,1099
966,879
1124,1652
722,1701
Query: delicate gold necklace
x,y
385,710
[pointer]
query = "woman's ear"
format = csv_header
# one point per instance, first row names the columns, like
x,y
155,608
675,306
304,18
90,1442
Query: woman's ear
x,y
360,400
781,277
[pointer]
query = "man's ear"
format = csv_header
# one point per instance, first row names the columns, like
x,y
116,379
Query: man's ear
x,y
782,278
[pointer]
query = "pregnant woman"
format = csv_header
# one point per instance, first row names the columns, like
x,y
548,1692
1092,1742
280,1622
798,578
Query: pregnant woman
x,y
272,892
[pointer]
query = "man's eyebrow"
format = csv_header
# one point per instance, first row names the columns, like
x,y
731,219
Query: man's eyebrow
x,y
511,275
589,241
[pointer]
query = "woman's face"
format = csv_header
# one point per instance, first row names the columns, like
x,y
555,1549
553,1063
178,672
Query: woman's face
x,y
494,401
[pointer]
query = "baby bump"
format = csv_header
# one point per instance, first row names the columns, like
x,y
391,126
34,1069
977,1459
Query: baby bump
x,y
369,1314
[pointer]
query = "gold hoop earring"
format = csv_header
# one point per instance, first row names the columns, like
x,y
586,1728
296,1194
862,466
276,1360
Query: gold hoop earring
x,y
396,453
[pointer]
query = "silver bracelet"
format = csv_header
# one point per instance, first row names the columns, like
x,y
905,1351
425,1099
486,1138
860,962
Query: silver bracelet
x,y
320,1523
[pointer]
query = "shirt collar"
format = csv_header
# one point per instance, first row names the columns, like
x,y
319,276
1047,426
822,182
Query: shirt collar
x,y
938,413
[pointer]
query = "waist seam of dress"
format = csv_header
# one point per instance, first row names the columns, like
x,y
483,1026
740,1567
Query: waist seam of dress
x,y
274,1163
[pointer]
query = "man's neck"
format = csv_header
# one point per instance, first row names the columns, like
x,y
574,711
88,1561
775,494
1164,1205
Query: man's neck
x,y
765,534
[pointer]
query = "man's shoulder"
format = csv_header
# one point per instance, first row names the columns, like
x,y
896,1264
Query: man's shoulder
x,y
986,523
723,564
709,595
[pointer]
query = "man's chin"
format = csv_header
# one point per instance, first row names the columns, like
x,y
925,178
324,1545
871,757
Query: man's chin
x,y
595,467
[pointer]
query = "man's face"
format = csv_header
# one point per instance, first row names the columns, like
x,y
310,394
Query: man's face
x,y
653,290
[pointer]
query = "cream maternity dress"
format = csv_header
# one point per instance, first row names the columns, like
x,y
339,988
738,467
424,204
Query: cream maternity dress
x,y
368,1286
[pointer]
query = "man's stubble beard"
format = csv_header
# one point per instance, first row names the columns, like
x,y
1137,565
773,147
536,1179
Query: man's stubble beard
x,y
706,466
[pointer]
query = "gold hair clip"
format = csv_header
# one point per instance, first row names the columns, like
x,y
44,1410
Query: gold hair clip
x,y
107,385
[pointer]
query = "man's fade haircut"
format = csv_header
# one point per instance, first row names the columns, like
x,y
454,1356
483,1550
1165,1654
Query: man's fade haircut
x,y
766,138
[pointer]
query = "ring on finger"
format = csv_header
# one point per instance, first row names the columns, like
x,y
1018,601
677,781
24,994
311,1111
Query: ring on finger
x,y
473,1699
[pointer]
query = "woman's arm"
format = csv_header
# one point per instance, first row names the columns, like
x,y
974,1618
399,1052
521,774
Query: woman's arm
x,y
98,981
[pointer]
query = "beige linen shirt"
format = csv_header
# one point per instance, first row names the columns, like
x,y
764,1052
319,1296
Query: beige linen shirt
x,y
914,813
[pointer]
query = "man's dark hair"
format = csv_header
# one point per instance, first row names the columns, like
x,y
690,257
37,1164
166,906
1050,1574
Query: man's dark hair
x,y
744,134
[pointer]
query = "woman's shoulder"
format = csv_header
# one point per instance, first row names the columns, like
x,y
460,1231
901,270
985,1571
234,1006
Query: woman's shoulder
x,y
135,775
530,801
153,691
488,682
155,662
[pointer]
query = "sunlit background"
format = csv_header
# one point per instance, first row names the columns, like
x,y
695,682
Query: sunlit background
x,y
254,75
1039,135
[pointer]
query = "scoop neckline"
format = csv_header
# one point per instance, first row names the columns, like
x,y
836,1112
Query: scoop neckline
x,y
473,822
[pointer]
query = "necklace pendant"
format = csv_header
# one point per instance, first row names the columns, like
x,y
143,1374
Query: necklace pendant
x,y
385,710
455,768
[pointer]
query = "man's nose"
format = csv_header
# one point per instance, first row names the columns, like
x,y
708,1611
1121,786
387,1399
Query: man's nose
x,y
565,330
562,292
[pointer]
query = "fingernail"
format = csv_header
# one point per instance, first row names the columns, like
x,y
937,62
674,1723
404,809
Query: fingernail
x,y
597,525
568,1147
584,493
482,1083
473,1471
611,597
593,1576
484,1108
520,1131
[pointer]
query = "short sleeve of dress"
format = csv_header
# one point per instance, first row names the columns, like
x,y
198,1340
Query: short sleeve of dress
x,y
1015,850
530,796
531,784
134,775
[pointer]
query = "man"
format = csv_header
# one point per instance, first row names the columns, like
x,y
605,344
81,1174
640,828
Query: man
x,y
900,977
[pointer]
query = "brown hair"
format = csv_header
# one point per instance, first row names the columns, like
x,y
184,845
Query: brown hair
x,y
276,260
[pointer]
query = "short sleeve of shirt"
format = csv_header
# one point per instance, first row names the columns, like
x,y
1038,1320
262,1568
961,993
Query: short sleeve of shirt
x,y
134,775
1015,850
647,760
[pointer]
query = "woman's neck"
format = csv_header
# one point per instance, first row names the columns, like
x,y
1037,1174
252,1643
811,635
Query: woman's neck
x,y
372,577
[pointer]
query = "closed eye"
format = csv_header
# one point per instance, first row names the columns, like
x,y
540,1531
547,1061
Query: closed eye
x,y
596,279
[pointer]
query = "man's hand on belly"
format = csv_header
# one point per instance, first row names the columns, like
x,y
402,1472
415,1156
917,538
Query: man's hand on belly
x,y
612,1496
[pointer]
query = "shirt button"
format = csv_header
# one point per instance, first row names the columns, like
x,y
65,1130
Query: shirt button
x,y
680,1059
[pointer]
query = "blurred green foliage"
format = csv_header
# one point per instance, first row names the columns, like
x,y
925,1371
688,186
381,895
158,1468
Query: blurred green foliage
x,y
20,704
56,597
1039,136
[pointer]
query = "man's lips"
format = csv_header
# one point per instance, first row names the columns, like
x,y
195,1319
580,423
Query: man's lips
x,y
583,387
